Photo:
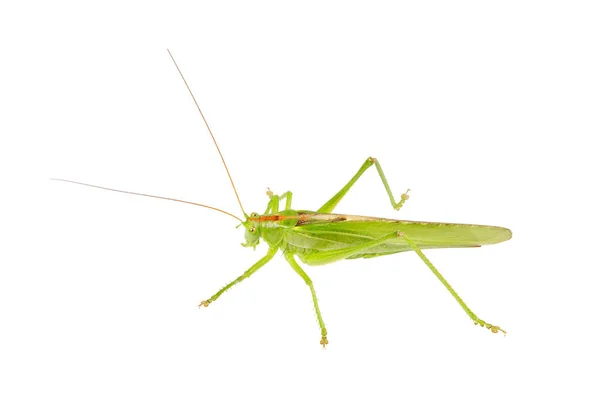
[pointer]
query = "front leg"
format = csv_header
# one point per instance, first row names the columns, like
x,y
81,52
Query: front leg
x,y
272,251
330,205
273,206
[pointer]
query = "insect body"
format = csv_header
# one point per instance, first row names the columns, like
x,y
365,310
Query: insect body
x,y
321,237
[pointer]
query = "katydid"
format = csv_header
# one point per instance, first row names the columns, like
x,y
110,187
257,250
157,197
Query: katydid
x,y
322,237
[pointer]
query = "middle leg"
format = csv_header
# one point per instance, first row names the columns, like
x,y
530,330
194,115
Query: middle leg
x,y
332,203
290,259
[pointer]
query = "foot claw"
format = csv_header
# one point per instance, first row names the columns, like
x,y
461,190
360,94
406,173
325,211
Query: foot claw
x,y
204,303
493,328
324,341
403,198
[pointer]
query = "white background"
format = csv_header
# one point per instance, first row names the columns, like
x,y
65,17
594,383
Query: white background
x,y
487,112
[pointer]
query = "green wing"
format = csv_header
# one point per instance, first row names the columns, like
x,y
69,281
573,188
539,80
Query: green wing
x,y
316,232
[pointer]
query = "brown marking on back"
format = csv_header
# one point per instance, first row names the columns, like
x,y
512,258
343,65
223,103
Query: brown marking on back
x,y
275,217
304,219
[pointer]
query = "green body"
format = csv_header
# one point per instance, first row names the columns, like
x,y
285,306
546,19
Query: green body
x,y
321,237
312,233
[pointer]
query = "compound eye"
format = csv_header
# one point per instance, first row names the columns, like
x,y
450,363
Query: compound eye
x,y
252,229
254,215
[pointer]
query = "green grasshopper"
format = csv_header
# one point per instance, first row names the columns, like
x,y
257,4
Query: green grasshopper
x,y
321,237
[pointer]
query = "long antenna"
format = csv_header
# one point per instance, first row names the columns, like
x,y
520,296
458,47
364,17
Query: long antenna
x,y
211,134
149,195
